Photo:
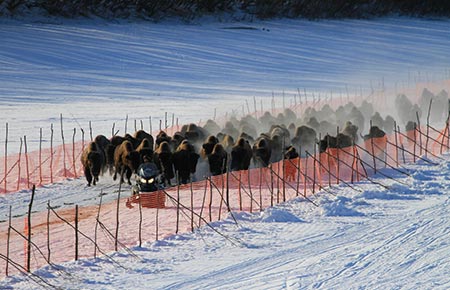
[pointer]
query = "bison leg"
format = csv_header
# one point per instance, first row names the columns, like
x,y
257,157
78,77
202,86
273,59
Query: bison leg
x,y
129,173
88,175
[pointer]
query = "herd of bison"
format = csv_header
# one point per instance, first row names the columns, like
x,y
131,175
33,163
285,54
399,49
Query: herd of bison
x,y
251,141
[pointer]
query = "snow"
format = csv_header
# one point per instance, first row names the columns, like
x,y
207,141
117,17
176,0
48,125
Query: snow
x,y
369,237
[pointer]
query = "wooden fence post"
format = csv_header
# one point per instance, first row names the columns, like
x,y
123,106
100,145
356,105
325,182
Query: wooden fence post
x,y
26,161
7,242
6,159
30,206
140,219
64,146
96,224
48,231
51,153
40,156
73,153
76,232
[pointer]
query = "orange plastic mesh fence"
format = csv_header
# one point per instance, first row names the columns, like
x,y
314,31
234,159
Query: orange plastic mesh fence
x,y
184,208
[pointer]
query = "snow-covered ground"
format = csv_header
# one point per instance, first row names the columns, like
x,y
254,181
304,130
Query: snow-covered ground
x,y
373,238
101,72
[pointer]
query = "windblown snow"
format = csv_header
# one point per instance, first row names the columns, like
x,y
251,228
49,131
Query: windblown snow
x,y
372,236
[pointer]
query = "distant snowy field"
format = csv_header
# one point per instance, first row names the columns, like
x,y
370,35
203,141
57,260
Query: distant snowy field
x,y
102,72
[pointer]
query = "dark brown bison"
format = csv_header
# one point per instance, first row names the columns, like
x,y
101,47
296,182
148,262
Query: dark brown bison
x,y
290,153
211,127
340,141
162,137
193,133
185,161
227,142
351,130
305,138
145,150
126,160
217,160
241,155
177,138
374,132
262,152
208,146
141,135
92,160
103,144
164,161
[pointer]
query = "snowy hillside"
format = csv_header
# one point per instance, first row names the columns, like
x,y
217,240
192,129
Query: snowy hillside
x,y
373,237
369,238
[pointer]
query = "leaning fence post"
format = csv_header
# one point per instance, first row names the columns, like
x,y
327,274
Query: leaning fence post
x,y
26,161
40,156
30,206
96,224
73,152
6,161
396,143
211,199
90,131
428,127
140,219
51,153
192,206
178,203
76,232
7,242
64,146
250,190
117,215
18,164
48,231
260,189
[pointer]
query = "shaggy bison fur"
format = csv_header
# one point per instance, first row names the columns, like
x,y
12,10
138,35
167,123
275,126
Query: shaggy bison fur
x,y
164,161
126,160
241,155
92,161
217,160
185,161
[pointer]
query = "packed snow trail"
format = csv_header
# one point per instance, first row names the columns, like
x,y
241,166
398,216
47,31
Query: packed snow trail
x,y
374,239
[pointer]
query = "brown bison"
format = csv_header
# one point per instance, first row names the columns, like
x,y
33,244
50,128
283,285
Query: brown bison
x,y
161,137
92,160
374,132
290,153
351,130
305,138
102,145
262,151
217,160
340,141
185,161
145,150
126,160
164,161
208,146
141,135
241,155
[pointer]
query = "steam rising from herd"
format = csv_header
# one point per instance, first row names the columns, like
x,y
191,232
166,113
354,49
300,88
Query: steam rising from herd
x,y
211,149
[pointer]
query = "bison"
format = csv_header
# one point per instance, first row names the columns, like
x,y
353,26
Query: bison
x,y
262,151
145,150
185,161
374,132
141,135
208,146
164,161
92,160
126,160
217,160
241,155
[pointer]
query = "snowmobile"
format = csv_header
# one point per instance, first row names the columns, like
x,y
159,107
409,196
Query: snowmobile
x,y
149,183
